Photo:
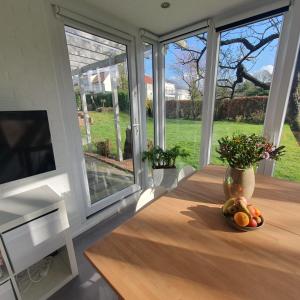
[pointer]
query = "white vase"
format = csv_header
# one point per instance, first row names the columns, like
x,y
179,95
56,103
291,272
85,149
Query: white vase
x,y
166,178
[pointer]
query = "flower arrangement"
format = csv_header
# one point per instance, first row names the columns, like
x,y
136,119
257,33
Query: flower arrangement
x,y
243,151
164,159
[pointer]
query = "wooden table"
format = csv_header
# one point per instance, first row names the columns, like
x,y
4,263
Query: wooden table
x,y
180,247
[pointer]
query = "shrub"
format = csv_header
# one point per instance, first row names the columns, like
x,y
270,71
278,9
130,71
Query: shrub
x,y
149,107
247,109
97,101
176,109
104,147
257,117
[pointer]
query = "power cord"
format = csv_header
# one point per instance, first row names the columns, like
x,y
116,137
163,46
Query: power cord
x,y
35,273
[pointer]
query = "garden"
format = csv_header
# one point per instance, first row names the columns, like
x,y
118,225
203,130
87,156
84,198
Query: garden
x,y
187,133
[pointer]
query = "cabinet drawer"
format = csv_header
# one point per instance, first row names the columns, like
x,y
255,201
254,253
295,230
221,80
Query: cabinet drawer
x,y
6,291
34,240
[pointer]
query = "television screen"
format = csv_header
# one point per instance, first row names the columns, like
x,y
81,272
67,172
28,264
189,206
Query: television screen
x,y
25,145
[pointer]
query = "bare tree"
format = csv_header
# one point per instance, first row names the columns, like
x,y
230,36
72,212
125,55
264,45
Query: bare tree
x,y
190,68
239,51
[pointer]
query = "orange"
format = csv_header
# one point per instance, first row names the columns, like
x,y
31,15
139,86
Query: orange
x,y
241,219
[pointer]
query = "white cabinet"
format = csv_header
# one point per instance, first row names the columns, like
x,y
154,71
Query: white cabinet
x,y
34,240
34,229
6,291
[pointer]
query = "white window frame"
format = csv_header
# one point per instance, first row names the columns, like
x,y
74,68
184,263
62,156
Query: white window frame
x,y
82,23
150,39
188,32
265,168
213,41
160,112
283,74
278,98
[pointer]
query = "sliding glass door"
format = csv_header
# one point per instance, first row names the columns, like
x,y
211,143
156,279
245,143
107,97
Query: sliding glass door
x,y
100,78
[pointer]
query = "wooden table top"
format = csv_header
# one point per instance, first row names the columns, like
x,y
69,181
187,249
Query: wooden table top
x,y
180,247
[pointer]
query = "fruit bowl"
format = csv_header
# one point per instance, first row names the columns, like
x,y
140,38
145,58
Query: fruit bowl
x,y
231,222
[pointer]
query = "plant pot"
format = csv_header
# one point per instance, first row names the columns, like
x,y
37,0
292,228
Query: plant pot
x,y
166,178
239,183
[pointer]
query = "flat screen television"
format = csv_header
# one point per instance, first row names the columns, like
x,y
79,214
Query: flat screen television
x,y
25,144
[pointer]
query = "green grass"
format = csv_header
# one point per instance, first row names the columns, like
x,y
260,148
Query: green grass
x,y
187,133
289,166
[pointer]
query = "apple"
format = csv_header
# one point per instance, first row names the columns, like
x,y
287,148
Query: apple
x,y
252,223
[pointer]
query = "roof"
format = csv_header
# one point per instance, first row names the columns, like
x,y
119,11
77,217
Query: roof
x,y
148,79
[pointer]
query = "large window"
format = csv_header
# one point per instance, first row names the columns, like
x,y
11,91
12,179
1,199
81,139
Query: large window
x,y
246,61
184,81
289,166
100,81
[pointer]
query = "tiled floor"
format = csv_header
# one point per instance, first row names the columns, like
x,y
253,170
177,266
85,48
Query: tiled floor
x,y
89,285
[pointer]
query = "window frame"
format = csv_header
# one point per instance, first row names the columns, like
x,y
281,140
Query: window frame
x,y
153,42
204,133
276,108
127,40
284,69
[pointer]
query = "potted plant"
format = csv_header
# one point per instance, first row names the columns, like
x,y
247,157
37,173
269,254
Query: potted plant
x,y
163,163
242,152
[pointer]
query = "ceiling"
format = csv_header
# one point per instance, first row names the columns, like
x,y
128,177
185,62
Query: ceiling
x,y
149,15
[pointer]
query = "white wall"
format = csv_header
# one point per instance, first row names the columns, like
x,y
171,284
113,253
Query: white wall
x,y
34,74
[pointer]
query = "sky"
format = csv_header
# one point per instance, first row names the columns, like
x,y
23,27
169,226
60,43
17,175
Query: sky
x,y
265,60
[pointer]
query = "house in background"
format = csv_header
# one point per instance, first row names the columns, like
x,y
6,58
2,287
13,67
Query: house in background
x,y
94,81
148,80
99,81
173,90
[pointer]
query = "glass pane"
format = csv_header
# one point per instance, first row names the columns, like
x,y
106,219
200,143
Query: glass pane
x,y
288,167
100,81
148,81
184,81
246,61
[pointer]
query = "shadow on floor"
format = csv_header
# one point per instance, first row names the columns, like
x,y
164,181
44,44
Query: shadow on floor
x,y
89,285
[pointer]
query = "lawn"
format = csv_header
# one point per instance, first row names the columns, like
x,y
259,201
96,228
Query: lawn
x,y
187,133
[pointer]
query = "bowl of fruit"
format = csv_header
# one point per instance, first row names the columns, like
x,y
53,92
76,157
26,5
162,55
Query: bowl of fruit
x,y
241,215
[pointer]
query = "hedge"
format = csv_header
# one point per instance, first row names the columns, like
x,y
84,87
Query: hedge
x,y
95,102
249,109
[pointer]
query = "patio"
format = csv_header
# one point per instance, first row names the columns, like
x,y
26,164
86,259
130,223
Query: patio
x,y
107,176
